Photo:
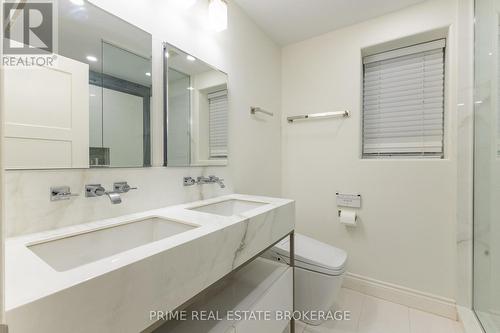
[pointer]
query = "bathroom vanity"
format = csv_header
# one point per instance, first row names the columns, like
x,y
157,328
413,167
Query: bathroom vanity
x,y
108,275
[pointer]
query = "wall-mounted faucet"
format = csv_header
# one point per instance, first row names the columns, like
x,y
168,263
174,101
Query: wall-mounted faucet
x,y
58,193
189,181
211,180
96,190
122,187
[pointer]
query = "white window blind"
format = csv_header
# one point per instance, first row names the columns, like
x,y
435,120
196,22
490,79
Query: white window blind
x,y
218,124
403,102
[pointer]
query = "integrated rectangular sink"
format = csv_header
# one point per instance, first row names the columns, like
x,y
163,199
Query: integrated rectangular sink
x,y
69,252
229,207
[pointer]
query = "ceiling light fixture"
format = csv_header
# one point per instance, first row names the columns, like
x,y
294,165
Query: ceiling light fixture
x,y
91,58
148,74
190,88
217,14
190,58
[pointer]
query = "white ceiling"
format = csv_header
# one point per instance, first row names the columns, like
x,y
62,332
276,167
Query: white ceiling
x,y
290,21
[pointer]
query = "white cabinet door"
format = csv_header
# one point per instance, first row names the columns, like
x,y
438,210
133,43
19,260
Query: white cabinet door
x,y
47,116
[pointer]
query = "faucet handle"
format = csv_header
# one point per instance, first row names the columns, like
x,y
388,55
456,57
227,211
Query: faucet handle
x,y
122,187
58,193
188,181
94,190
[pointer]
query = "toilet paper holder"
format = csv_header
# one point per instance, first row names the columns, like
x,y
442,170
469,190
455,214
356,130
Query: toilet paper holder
x,y
349,219
340,212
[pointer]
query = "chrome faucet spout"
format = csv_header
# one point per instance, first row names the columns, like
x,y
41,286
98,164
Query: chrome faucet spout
x,y
215,179
221,184
114,197
96,190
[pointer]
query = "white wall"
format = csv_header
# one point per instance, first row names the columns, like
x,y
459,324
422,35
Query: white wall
x,y
252,62
179,111
406,234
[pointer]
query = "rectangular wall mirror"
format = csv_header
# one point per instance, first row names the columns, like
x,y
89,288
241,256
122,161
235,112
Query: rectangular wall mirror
x,y
92,107
196,111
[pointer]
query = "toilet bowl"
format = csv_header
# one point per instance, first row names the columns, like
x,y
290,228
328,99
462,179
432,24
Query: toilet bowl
x,y
319,271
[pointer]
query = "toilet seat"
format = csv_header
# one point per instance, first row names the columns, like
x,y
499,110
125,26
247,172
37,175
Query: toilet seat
x,y
312,255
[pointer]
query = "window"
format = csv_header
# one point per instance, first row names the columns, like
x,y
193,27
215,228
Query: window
x,y
403,102
217,109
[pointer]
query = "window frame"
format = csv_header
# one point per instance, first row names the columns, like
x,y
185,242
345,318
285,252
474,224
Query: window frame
x,y
223,93
402,155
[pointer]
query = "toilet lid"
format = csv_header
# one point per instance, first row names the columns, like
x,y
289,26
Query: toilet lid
x,y
313,255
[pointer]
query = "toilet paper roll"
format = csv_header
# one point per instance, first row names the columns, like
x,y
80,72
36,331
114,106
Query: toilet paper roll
x,y
348,217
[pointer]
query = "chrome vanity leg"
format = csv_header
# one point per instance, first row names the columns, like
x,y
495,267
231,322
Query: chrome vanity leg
x,y
292,264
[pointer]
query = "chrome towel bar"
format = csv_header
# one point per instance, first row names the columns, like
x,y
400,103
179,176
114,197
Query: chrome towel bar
x,y
255,109
334,114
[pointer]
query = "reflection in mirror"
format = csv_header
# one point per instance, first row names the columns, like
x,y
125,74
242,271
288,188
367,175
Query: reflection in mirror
x,y
179,118
124,87
119,56
92,107
196,111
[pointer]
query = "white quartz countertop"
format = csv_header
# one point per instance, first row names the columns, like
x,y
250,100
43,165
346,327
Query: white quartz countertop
x,y
29,278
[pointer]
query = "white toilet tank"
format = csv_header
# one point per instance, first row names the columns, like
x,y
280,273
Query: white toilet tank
x,y
319,271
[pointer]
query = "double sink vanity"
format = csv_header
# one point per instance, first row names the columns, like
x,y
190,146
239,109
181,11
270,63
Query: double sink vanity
x,y
108,275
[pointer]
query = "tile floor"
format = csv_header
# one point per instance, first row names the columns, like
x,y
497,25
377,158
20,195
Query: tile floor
x,y
374,315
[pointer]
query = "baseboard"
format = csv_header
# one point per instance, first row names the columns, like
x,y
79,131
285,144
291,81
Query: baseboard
x,y
495,312
469,320
401,295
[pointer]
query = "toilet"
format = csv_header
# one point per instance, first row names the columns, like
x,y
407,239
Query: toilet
x,y
319,271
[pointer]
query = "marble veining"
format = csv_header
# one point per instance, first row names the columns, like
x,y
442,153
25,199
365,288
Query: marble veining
x,y
157,276
28,209
242,245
